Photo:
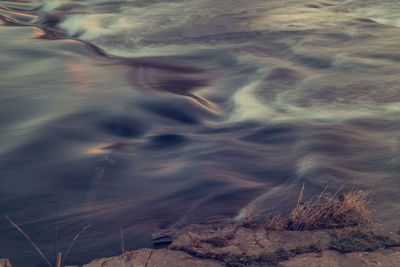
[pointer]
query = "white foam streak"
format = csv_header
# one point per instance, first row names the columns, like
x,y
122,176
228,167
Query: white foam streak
x,y
249,107
93,26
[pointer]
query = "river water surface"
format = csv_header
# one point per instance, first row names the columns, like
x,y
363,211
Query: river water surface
x,y
156,114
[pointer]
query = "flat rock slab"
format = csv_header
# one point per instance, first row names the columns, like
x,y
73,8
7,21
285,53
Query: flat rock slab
x,y
329,258
154,258
204,239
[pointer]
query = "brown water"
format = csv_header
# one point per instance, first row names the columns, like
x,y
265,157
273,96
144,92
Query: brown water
x,y
155,114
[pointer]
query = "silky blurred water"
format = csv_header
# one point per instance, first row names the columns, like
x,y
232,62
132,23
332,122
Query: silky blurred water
x,y
157,114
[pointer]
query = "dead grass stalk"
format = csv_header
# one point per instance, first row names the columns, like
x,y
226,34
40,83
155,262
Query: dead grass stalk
x,y
324,211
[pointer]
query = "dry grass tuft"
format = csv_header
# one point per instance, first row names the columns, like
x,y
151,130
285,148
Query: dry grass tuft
x,y
324,211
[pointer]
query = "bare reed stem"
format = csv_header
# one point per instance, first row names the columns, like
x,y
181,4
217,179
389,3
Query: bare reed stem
x,y
56,230
73,242
30,240
122,240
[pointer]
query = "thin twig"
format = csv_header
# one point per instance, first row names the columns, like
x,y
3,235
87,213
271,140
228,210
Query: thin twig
x,y
56,230
122,240
73,241
30,240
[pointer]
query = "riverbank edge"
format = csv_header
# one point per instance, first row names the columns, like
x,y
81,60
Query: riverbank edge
x,y
229,243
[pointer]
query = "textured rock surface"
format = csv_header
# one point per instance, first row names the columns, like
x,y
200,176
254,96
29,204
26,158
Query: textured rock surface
x,y
154,258
5,263
233,239
329,258
197,245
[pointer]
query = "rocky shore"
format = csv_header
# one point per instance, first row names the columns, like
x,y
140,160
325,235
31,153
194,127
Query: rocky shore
x,y
227,243
327,230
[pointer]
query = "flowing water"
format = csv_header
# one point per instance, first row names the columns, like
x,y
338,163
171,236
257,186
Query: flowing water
x,y
149,114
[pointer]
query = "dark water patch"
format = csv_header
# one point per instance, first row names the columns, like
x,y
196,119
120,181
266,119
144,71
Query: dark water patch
x,y
274,174
174,113
167,141
288,75
177,109
51,19
123,126
312,6
366,20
